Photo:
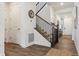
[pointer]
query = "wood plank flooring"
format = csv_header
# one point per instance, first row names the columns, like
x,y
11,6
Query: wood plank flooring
x,y
34,50
67,44
65,47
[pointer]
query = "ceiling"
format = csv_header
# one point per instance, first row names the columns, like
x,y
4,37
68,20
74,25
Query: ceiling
x,y
65,9
57,5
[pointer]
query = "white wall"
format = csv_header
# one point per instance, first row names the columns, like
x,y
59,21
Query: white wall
x,y
65,10
19,25
12,23
27,26
68,25
2,28
7,24
40,40
17,17
67,20
52,14
76,31
45,13
38,7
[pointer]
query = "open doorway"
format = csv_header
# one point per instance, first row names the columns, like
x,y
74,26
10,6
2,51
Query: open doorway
x,y
66,24
66,21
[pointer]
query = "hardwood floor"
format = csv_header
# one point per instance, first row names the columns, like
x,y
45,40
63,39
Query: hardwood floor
x,y
65,47
34,50
67,44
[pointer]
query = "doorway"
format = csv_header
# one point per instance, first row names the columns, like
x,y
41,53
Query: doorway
x,y
67,25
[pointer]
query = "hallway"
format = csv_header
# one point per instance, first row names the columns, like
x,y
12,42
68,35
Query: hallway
x,y
22,37
65,47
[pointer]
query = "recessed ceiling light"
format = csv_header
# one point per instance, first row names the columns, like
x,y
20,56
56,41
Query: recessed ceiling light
x,y
61,3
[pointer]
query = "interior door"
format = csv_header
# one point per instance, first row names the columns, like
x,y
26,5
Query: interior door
x,y
67,27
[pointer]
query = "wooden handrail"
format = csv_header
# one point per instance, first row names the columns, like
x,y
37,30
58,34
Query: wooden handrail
x,y
41,17
37,3
43,20
41,8
46,21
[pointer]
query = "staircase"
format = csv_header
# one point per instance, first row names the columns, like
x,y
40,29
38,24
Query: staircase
x,y
48,30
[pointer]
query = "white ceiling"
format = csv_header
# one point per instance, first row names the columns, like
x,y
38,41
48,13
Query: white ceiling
x,y
66,9
57,6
